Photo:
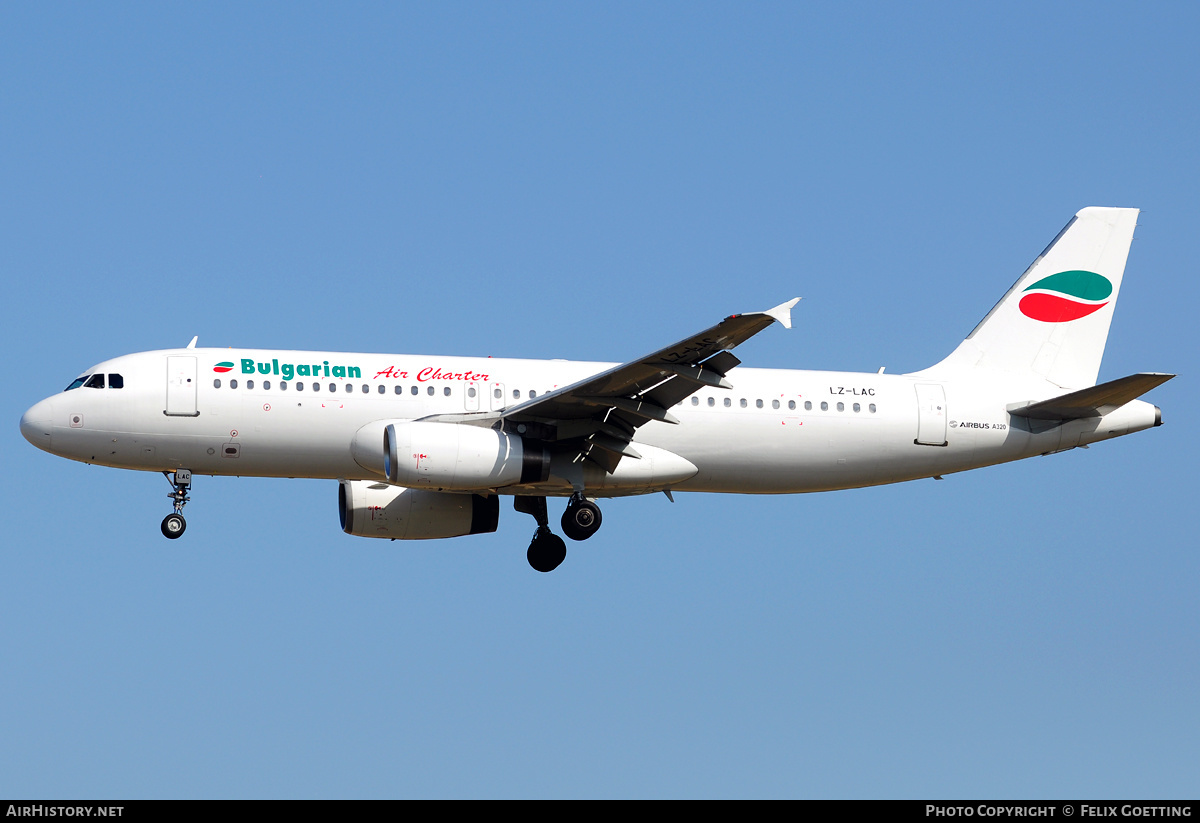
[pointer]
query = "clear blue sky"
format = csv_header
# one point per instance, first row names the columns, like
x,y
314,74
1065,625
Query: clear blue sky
x,y
592,181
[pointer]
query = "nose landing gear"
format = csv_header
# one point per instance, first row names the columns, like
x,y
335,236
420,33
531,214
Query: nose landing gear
x,y
174,524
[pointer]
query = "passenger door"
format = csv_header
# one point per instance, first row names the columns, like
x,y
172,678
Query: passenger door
x,y
931,415
181,387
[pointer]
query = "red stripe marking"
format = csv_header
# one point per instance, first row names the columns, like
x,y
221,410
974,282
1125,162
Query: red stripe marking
x,y
1050,308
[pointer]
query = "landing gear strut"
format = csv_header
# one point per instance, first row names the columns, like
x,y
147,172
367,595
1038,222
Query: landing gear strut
x,y
174,524
581,519
547,550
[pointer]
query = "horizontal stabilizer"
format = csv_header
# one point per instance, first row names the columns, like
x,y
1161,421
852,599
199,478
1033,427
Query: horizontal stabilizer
x,y
1094,401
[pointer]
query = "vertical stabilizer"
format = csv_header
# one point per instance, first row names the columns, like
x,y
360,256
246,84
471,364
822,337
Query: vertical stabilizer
x,y
1053,323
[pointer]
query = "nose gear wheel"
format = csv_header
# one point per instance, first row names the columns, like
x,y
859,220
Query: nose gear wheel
x,y
173,526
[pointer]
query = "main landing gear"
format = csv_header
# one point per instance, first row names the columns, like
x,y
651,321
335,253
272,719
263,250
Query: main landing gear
x,y
174,524
547,550
581,519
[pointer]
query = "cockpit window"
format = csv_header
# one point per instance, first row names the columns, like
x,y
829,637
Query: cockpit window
x,y
96,381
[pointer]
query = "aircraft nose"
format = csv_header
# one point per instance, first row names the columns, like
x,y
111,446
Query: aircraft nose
x,y
35,424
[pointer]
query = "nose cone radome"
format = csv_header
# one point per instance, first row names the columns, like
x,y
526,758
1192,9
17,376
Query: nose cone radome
x,y
35,425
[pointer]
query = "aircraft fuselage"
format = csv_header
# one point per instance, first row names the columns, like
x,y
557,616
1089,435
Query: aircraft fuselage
x,y
423,445
296,414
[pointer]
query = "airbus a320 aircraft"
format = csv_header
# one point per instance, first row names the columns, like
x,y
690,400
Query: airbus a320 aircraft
x,y
423,447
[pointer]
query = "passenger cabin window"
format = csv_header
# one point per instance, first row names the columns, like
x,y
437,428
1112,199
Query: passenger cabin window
x,y
415,390
728,402
382,389
743,402
249,384
283,385
808,405
446,391
96,381
712,401
824,406
400,390
116,381
233,384
774,404
471,391
792,405
266,385
695,400
429,391
299,385
217,383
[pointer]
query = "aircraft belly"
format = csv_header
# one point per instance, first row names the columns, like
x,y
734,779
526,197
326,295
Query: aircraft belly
x,y
233,439
804,452
777,454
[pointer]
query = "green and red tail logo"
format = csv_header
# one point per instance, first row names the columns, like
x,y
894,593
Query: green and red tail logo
x,y
221,368
1068,295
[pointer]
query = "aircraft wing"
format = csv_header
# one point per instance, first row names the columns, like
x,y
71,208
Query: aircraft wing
x,y
602,412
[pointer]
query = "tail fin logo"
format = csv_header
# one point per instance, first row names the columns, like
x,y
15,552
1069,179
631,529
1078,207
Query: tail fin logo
x,y
1066,296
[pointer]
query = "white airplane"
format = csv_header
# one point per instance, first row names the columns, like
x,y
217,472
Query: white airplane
x,y
423,446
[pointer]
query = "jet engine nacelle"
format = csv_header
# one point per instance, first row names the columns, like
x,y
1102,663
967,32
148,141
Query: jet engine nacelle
x,y
371,509
452,456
